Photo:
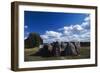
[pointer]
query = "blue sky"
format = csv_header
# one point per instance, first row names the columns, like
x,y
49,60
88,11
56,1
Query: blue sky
x,y
53,25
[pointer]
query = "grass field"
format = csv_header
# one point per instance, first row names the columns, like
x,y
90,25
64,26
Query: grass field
x,y
84,54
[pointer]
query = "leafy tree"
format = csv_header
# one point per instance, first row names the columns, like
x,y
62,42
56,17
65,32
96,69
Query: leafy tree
x,y
33,40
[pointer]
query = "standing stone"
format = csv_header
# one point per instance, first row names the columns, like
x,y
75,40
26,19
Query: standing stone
x,y
77,47
70,49
63,45
43,52
56,49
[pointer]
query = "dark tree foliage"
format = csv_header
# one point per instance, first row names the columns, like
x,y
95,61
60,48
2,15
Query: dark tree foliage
x,y
33,40
84,44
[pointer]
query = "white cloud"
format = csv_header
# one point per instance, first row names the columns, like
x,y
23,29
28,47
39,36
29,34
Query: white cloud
x,y
86,23
74,32
26,35
25,26
87,18
66,28
53,34
44,36
78,27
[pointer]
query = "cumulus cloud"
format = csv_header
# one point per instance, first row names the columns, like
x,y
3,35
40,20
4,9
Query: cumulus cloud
x,y
44,37
26,34
74,32
25,37
87,18
51,36
25,26
78,27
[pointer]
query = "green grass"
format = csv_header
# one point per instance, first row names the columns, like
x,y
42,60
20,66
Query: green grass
x,y
84,53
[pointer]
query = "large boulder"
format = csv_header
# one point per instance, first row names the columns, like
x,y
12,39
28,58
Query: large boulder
x,y
56,49
77,47
70,49
43,52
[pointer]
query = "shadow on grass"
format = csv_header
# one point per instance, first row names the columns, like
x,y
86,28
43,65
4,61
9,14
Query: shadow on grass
x,y
84,54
